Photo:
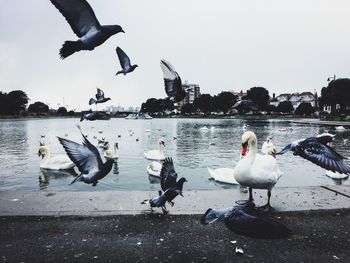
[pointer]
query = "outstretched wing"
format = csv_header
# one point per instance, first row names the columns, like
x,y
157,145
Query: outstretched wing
x,y
123,59
168,175
246,104
322,155
86,157
172,82
100,94
78,14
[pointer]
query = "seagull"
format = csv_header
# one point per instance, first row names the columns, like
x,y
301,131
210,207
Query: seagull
x,y
124,62
100,97
88,160
172,82
169,185
318,150
81,18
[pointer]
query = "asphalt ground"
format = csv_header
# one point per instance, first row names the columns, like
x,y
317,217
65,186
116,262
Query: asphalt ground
x,y
316,236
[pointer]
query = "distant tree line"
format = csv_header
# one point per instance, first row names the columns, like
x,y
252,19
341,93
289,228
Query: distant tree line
x,y
336,95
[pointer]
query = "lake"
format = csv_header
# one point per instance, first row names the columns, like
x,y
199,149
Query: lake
x,y
193,150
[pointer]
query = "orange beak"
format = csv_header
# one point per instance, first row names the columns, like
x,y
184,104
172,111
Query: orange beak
x,y
244,148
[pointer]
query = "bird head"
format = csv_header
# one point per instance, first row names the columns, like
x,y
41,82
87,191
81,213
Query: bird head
x,y
115,29
42,151
246,140
161,142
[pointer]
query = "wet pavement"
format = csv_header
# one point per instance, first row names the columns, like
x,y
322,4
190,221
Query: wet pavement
x,y
318,236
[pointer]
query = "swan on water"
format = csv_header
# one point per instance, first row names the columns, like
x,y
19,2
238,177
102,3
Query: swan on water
x,y
156,154
58,162
112,154
154,168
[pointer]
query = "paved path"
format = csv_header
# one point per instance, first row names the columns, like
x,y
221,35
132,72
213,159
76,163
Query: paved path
x,y
13,203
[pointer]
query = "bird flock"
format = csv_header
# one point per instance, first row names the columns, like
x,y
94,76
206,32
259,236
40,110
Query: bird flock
x,y
253,170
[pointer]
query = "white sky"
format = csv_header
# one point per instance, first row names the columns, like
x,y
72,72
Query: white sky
x,y
284,46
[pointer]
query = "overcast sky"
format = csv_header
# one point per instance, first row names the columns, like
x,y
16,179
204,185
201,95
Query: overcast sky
x,y
284,46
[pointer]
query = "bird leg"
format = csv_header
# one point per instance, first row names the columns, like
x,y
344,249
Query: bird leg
x,y
267,207
251,199
171,203
164,210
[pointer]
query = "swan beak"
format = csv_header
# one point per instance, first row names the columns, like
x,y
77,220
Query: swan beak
x,y
244,148
40,154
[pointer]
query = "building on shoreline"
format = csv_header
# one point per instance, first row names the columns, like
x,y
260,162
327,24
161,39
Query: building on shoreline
x,y
193,91
295,98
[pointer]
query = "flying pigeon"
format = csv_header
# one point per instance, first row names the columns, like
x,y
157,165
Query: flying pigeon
x,y
88,160
245,104
169,185
100,98
124,62
318,150
245,219
90,116
172,82
81,18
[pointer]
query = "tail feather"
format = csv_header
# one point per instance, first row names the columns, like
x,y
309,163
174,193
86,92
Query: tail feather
x,y
78,178
146,201
69,47
119,72
92,101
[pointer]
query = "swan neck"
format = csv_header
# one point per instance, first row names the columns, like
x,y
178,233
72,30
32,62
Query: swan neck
x,y
46,155
252,149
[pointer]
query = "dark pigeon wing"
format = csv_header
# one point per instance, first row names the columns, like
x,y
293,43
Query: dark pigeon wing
x,y
289,147
246,104
100,94
322,155
172,81
123,59
168,175
78,14
86,157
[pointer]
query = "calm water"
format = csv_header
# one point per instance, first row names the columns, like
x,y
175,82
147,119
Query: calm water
x,y
193,151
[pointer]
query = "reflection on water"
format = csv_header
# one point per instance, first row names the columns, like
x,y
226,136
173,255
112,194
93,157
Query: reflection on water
x,y
48,175
194,145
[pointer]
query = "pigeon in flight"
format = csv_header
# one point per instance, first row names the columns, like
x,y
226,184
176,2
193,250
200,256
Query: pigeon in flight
x,y
100,98
88,160
245,104
169,185
124,62
81,18
90,116
172,82
246,220
318,150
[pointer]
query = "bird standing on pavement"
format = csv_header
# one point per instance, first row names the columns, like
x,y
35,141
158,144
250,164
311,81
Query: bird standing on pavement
x,y
169,185
81,18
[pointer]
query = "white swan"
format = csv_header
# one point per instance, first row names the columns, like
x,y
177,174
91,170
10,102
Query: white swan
x,y
268,148
154,168
157,155
336,175
112,154
223,175
58,162
256,170
340,128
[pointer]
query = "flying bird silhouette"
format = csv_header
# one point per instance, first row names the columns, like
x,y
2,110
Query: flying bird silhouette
x,y
245,104
124,62
100,98
88,160
172,82
81,18
169,185
318,150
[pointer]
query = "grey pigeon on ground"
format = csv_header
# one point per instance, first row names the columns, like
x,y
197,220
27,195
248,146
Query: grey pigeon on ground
x,y
172,82
318,150
88,160
245,219
81,18
100,97
169,185
124,62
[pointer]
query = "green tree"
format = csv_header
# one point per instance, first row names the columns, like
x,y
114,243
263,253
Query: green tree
x,y
187,108
38,108
62,111
304,108
224,101
260,96
337,92
203,103
16,102
285,107
271,108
